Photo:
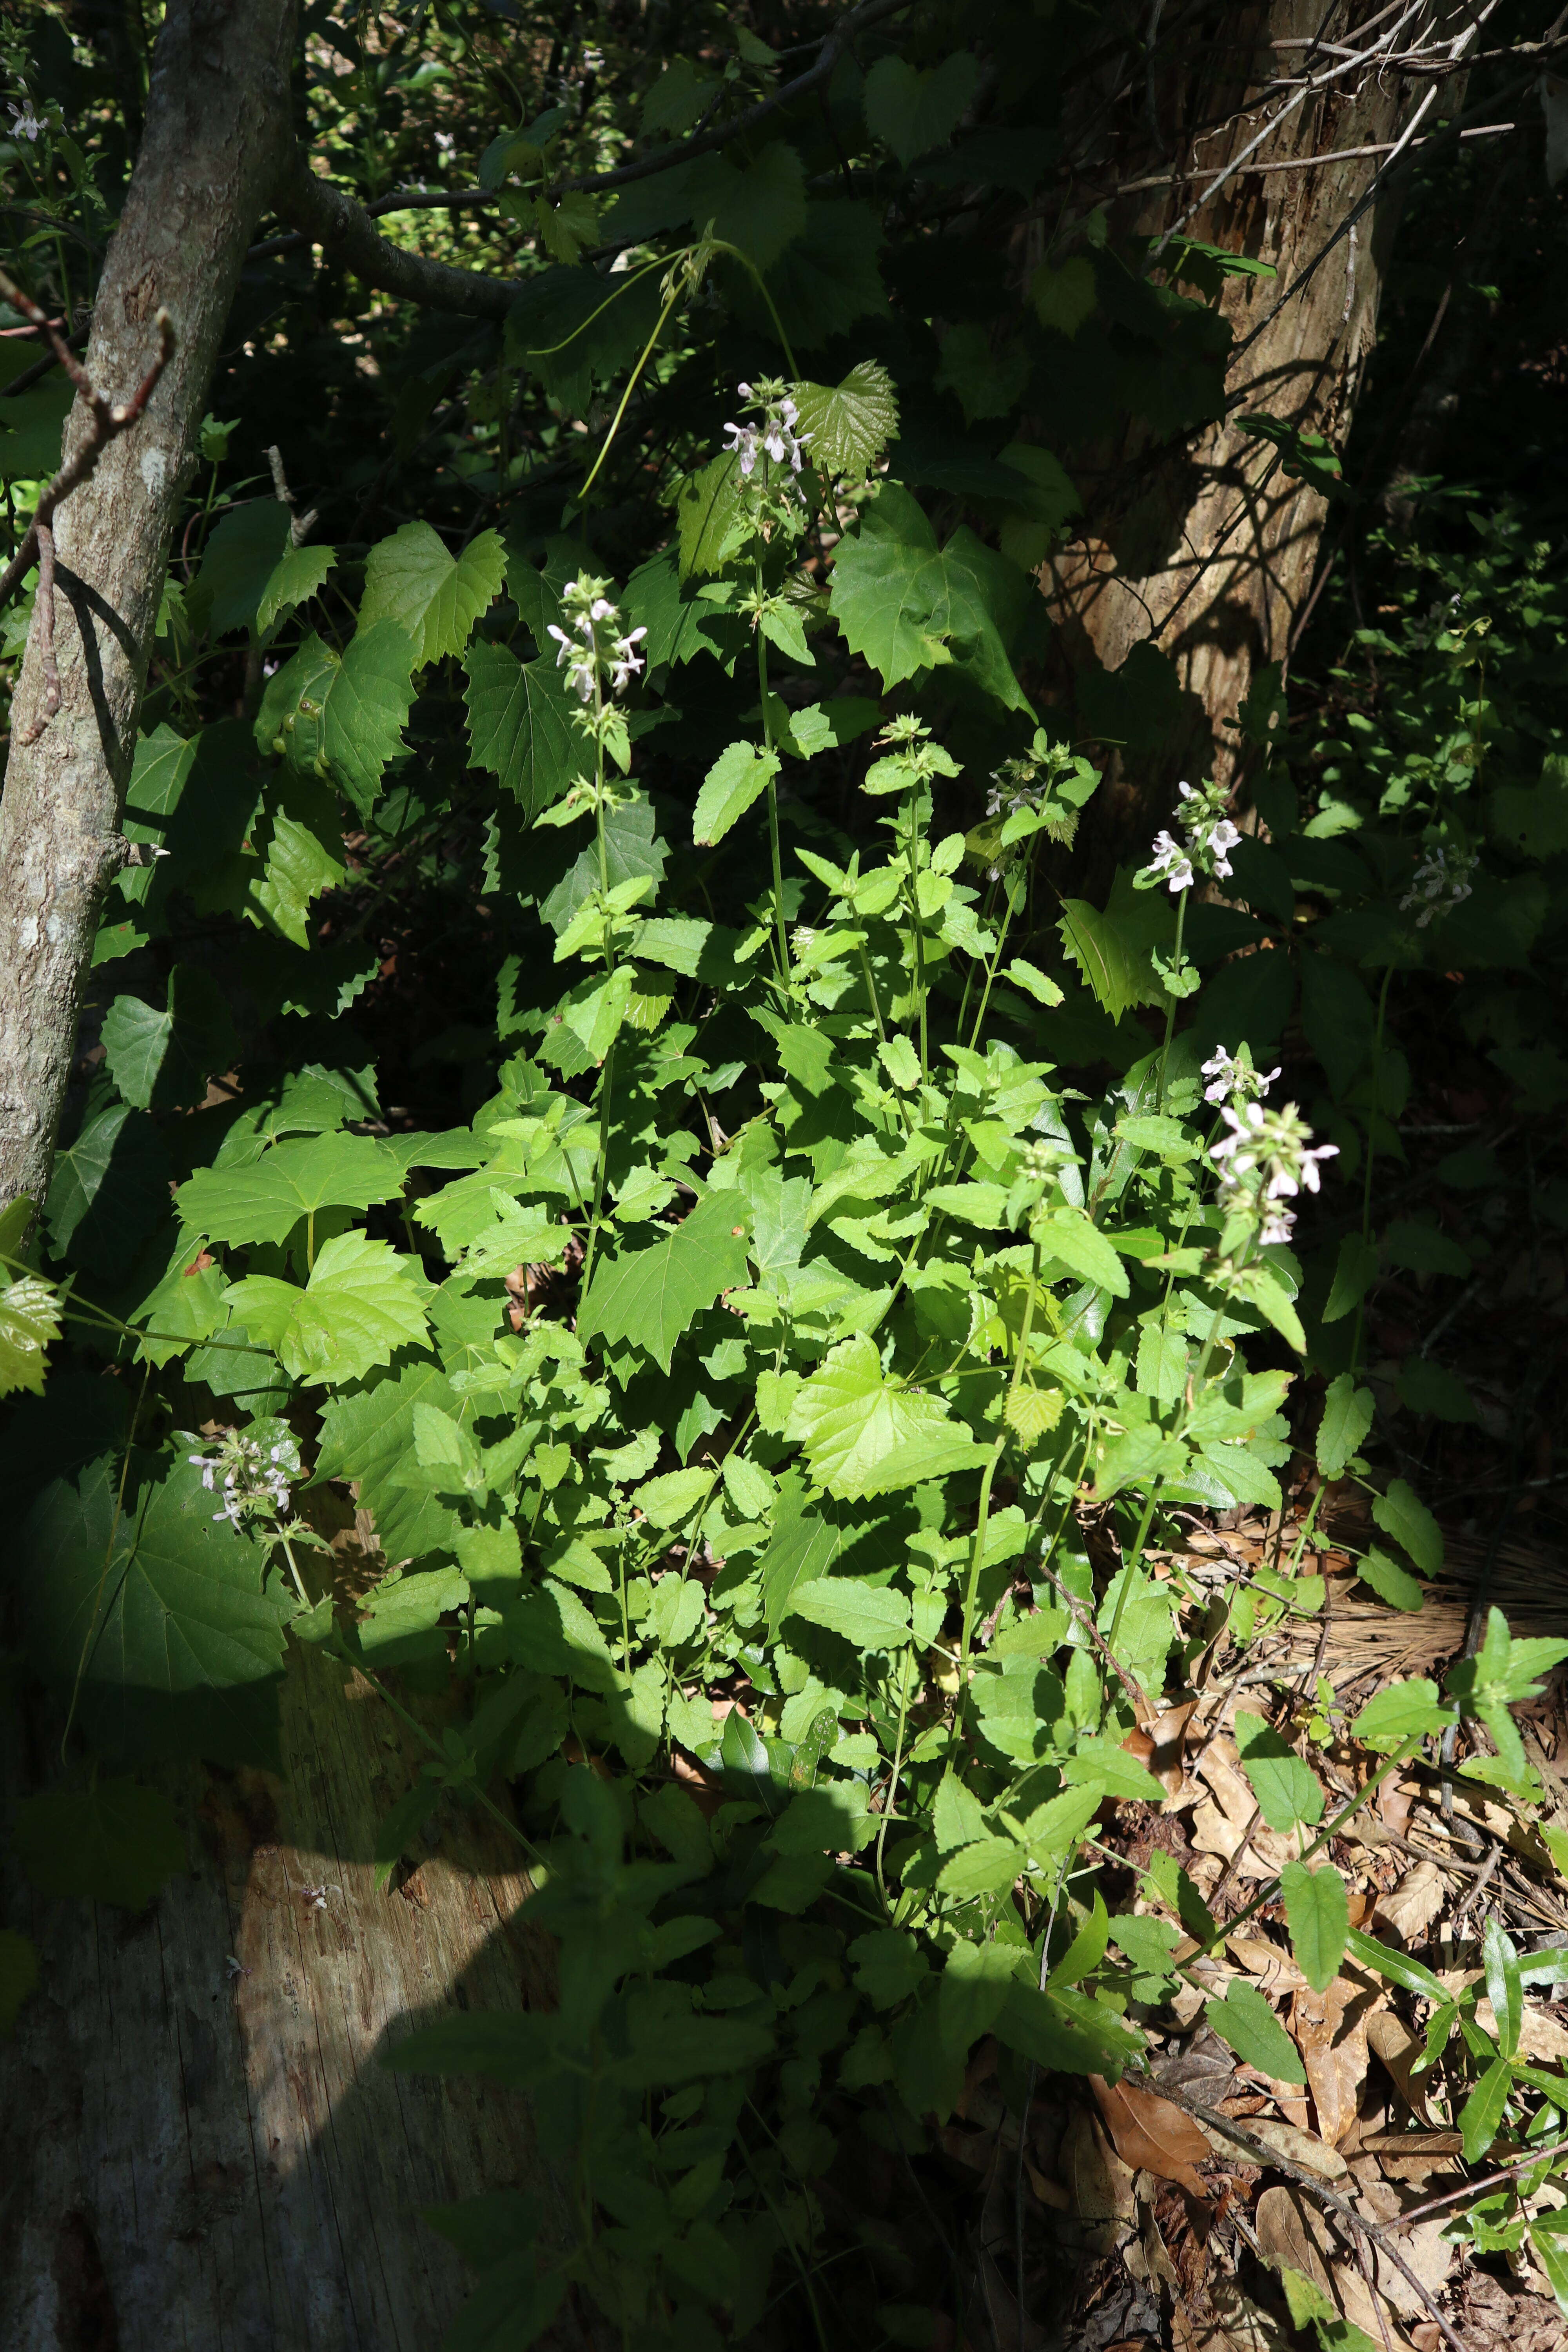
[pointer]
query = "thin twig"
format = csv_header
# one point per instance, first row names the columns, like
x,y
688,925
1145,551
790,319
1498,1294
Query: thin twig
x,y
38,541
1146,1714
1261,2154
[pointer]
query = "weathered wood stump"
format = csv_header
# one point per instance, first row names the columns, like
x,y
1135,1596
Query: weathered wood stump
x,y
207,2154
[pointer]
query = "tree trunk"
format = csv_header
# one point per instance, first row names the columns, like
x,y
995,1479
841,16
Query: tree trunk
x,y
191,2157
1207,546
217,141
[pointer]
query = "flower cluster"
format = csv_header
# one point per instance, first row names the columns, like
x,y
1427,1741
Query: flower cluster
x,y
25,123
774,433
593,649
253,1477
1210,838
1437,885
1266,1158
1233,1078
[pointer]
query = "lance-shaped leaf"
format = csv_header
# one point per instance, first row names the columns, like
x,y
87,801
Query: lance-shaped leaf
x,y
1317,1910
737,778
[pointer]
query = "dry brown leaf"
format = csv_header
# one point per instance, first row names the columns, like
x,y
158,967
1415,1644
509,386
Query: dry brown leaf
x,y
1540,2035
1302,2148
1220,1767
1295,2236
1168,1732
1094,2176
1423,2245
1238,2325
1151,2135
1393,2043
1330,2031
1271,1969
1410,1909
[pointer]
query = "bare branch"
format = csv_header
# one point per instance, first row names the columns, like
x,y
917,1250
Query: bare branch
x,y
324,215
37,543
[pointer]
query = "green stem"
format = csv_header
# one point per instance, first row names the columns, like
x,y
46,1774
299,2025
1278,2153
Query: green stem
x,y
1395,1763
607,1083
1371,1156
972,1584
889,1803
772,797
1171,1005
919,941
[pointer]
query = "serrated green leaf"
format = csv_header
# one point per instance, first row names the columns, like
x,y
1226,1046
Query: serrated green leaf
x,y
863,1432
108,1189
161,1058
178,1646
1355,1273
915,111
1080,1245
739,776
1404,1711
296,577
1287,1791
265,1201
113,1842
908,606
241,557
1401,1513
1065,296
434,597
30,1324
709,515
1389,1580
871,1616
1347,1416
651,1296
988,1867
520,727
342,716
1100,953
1317,1909
759,207
362,1302
847,425
1066,2031
1244,2020
368,1436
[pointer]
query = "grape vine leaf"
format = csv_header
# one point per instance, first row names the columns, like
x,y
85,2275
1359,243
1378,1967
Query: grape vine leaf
x,y
237,563
759,206
29,1322
434,597
177,1644
520,727
113,1842
108,1189
864,1434
651,1296
161,1059
362,1302
265,1201
915,111
367,1435
296,577
909,605
343,716
847,425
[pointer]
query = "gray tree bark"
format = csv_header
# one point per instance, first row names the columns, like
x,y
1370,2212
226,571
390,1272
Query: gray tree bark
x,y
216,142
199,2144
1208,546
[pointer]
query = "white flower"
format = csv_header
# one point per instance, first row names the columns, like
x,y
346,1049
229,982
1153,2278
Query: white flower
x,y
579,664
445,142
1435,888
25,123
1210,838
1171,863
1266,1158
775,436
1233,1076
